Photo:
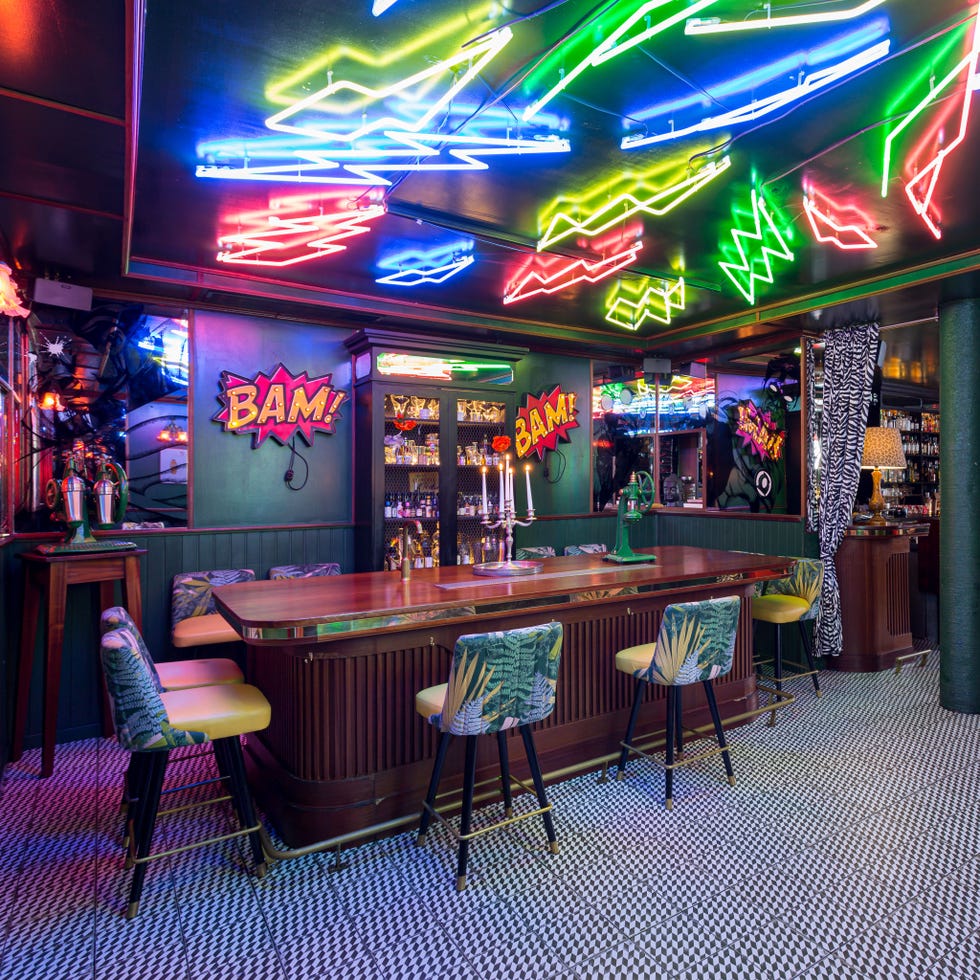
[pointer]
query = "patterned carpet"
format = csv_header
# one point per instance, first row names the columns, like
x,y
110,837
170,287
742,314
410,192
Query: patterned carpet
x,y
849,849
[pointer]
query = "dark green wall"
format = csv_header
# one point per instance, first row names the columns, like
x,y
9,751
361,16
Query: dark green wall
x,y
235,485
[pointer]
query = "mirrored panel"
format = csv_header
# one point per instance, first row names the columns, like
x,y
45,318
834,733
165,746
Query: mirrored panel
x,y
102,391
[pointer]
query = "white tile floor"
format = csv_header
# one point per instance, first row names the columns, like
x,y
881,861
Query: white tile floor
x,y
849,849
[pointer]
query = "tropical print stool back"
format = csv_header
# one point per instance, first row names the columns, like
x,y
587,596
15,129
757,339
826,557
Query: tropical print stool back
x,y
805,581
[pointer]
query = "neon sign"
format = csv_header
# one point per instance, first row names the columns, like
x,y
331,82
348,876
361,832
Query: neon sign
x,y
828,227
743,272
624,206
715,25
655,302
757,108
280,405
543,421
297,229
9,298
617,42
758,432
419,275
392,364
551,273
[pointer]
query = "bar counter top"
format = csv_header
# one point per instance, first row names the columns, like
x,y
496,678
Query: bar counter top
x,y
277,612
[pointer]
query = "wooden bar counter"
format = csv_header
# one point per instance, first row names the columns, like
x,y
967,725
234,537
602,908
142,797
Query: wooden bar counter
x,y
341,658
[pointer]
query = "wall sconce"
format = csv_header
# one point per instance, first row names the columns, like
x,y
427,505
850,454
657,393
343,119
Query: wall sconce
x,y
172,433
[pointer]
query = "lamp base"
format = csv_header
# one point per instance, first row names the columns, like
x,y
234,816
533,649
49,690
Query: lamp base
x,y
877,502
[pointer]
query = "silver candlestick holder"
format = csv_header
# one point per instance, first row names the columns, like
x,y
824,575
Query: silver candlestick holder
x,y
507,519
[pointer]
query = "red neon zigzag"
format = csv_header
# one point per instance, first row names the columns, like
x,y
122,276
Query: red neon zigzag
x,y
568,272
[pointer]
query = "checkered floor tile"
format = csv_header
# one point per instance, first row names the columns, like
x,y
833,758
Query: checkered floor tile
x,y
849,850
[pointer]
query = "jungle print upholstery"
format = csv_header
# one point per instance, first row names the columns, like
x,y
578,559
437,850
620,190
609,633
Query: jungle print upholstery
x,y
534,551
805,581
501,680
584,549
138,713
192,591
313,570
116,617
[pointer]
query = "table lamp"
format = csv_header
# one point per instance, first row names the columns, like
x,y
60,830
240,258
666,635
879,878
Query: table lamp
x,y
882,450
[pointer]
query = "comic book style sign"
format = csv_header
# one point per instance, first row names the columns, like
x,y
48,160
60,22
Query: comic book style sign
x,y
543,421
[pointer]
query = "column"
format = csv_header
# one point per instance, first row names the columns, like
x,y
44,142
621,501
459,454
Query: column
x,y
959,533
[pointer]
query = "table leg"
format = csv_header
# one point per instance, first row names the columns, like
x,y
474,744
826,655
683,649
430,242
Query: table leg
x,y
28,638
107,598
132,592
53,641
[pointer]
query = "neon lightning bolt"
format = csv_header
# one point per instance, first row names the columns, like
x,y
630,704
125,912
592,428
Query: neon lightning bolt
x,y
434,274
624,206
610,47
742,273
820,218
714,25
624,312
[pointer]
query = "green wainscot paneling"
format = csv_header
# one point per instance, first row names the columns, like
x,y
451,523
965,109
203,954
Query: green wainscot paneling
x,y
767,536
167,553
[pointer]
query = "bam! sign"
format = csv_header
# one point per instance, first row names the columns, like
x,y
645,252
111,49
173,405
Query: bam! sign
x,y
278,405
543,421
759,432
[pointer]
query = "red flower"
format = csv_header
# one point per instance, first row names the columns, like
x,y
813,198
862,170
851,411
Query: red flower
x,y
500,444
405,425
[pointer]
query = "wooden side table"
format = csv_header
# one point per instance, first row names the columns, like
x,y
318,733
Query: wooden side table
x,y
48,578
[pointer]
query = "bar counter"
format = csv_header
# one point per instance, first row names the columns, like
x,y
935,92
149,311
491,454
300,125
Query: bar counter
x,y
340,659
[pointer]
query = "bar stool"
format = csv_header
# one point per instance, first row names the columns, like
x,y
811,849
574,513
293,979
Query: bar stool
x,y
497,681
585,549
313,570
194,616
534,551
149,724
174,675
695,643
795,599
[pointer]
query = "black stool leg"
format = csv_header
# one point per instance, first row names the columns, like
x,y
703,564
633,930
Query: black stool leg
x,y
232,749
143,827
709,694
469,782
505,773
637,699
535,767
777,665
671,729
807,639
430,797
678,721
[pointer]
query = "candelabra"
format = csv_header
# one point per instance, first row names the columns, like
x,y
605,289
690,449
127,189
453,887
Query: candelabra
x,y
506,517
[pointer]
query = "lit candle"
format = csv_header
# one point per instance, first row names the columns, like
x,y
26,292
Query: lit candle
x,y
501,486
483,472
527,480
508,486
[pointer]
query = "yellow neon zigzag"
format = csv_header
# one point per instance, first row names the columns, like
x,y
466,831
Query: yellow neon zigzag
x,y
654,205
610,47
563,277
474,59
670,296
731,269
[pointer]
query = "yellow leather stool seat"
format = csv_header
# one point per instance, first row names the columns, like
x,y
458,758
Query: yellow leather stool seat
x,y
220,711
635,658
776,608
430,701
177,675
202,630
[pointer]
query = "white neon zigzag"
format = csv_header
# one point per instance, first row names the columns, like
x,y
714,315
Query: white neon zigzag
x,y
816,217
732,269
590,272
252,244
699,26
664,296
632,205
930,173
380,6
415,277
476,58
763,107
610,47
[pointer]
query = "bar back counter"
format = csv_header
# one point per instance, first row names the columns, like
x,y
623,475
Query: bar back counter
x,y
341,659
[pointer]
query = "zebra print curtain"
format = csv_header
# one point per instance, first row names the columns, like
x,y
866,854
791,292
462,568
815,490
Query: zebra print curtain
x,y
849,361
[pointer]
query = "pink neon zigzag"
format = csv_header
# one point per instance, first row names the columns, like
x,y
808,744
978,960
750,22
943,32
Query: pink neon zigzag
x,y
532,281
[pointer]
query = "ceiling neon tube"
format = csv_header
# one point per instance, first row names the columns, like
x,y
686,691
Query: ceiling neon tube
x,y
427,274
743,273
625,206
655,302
756,109
714,25
615,44
828,228
549,274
